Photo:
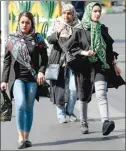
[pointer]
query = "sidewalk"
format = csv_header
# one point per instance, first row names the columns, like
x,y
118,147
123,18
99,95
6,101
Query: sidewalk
x,y
48,134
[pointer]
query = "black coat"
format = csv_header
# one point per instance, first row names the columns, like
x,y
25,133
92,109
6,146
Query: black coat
x,y
80,40
82,69
113,81
40,62
57,87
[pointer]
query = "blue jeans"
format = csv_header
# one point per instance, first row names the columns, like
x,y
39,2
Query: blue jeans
x,y
24,96
61,113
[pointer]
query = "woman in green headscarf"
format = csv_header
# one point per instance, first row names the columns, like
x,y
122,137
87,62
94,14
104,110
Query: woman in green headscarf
x,y
95,45
101,44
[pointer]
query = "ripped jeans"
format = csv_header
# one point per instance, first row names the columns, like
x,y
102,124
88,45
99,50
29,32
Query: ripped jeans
x,y
24,95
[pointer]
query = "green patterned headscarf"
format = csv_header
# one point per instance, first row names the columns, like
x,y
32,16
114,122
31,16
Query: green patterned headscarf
x,y
97,41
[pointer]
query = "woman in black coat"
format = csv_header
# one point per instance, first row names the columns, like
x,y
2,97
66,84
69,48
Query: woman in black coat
x,y
90,33
24,66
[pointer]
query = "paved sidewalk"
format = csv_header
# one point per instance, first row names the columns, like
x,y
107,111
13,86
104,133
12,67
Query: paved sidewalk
x,y
48,134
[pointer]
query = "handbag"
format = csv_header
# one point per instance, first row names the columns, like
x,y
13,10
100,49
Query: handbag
x,y
5,107
52,72
44,90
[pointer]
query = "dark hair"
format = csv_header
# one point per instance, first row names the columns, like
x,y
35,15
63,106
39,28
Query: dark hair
x,y
97,4
29,15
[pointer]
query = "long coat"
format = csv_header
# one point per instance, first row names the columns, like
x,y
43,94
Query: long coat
x,y
82,70
40,63
57,87
80,40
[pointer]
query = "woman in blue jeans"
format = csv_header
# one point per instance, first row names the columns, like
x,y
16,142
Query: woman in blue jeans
x,y
72,97
23,71
60,31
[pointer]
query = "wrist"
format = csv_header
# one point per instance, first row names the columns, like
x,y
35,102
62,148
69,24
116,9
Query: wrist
x,y
83,52
113,63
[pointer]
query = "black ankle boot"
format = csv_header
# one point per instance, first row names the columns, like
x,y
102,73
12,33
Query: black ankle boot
x,y
108,127
28,144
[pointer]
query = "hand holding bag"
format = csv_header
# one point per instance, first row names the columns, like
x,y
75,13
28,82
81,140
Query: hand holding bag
x,y
5,107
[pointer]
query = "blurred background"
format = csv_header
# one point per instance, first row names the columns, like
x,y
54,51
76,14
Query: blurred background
x,y
45,12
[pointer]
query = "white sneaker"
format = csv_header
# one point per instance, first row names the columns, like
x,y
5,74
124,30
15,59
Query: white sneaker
x,y
73,118
62,120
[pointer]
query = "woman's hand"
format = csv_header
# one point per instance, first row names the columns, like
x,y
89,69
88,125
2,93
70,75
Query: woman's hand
x,y
88,53
3,86
117,69
40,78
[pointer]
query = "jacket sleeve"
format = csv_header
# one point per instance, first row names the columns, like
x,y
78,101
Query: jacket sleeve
x,y
42,55
76,43
53,38
43,59
110,55
6,65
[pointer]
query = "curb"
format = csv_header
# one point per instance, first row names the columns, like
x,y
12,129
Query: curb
x,y
113,10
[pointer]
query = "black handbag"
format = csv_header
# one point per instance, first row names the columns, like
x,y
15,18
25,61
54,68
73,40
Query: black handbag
x,y
5,107
44,90
52,72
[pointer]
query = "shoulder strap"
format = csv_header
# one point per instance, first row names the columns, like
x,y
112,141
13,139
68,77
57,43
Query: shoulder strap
x,y
39,37
40,40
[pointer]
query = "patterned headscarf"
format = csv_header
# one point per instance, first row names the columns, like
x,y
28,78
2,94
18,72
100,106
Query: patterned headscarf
x,y
68,30
97,41
17,42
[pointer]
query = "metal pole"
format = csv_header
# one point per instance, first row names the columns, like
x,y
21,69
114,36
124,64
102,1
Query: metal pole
x,y
4,24
4,27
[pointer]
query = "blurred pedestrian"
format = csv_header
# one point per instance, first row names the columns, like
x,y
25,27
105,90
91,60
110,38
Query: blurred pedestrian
x,y
79,7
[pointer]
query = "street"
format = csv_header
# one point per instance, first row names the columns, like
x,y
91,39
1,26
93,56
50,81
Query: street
x,y
48,134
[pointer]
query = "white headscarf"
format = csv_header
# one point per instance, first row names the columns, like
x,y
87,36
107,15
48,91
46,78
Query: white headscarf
x,y
67,31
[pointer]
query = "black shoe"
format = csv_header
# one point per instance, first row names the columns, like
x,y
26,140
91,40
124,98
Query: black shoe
x,y
108,127
21,145
84,128
28,144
